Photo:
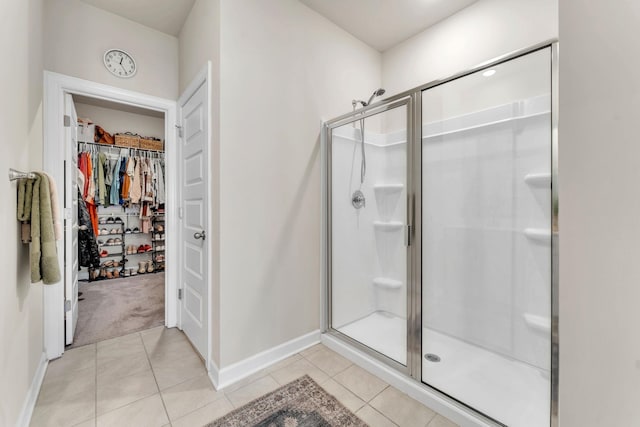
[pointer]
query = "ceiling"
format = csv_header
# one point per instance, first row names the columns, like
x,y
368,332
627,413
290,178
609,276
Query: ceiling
x,y
385,23
163,15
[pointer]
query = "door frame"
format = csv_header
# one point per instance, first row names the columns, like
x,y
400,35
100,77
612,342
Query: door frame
x,y
202,78
55,153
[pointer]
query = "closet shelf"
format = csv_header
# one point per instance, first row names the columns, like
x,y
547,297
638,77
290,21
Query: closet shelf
x,y
387,283
388,225
538,234
112,255
538,179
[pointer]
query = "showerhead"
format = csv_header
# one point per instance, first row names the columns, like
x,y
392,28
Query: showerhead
x,y
378,92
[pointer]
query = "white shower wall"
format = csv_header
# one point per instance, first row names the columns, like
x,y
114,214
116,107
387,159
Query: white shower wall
x,y
368,244
486,248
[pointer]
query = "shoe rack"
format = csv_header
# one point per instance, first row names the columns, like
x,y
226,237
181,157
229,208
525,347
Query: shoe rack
x,y
111,246
157,241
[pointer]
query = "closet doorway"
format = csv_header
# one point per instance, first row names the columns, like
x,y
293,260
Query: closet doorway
x,y
118,160
129,278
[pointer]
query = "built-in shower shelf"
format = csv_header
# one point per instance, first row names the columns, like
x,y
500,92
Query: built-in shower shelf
x,y
538,234
387,283
388,188
388,225
537,323
538,179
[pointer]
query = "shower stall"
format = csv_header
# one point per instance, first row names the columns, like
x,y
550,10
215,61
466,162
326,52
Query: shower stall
x,y
447,271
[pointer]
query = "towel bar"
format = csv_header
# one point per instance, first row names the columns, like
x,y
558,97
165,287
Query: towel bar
x,y
15,174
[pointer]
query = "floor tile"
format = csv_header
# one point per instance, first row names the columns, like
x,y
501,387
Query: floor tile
x,y
172,372
171,351
88,423
123,367
284,362
247,380
344,396
360,382
252,391
374,418
59,387
205,414
147,412
298,369
402,409
114,393
73,360
64,411
124,340
189,396
157,338
312,349
329,361
120,349
440,421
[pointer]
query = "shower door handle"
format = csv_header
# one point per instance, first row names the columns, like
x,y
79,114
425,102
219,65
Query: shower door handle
x,y
200,235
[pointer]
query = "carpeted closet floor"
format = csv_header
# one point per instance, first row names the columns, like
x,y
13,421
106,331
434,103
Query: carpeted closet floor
x,y
116,307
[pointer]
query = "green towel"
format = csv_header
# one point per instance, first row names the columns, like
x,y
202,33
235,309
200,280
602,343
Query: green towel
x,y
44,253
25,195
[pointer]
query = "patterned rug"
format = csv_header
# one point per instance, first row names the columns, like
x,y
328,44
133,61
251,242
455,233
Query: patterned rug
x,y
301,403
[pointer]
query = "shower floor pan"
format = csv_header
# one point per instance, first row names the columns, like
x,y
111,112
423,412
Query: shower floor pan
x,y
512,392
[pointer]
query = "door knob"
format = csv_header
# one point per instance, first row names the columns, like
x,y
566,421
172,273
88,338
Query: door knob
x,y
199,235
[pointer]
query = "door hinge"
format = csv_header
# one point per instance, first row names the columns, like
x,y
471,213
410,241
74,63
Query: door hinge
x,y
179,293
409,232
67,121
179,130
180,212
67,306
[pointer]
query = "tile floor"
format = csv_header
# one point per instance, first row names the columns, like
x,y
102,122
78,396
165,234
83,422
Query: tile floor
x,y
154,378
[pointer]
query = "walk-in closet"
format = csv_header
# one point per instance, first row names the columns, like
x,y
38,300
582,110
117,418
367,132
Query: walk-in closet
x,y
121,219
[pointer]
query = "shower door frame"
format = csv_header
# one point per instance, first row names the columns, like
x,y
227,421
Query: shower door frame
x,y
413,98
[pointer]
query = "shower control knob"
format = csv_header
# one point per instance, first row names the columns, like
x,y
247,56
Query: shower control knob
x,y
200,235
358,200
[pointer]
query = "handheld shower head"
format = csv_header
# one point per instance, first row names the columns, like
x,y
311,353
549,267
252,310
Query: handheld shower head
x,y
377,92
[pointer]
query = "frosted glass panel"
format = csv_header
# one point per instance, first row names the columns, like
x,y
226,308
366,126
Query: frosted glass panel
x,y
486,281
368,262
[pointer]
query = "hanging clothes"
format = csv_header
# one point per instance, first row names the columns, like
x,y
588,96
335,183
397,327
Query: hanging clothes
x,y
88,254
136,184
102,187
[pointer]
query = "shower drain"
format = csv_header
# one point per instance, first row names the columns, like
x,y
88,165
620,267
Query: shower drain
x,y
432,357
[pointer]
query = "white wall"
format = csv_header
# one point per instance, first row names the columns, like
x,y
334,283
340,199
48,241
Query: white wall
x,y
77,35
482,31
599,211
283,68
116,121
199,42
21,124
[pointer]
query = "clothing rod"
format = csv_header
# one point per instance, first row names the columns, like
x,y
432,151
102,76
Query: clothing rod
x,y
16,174
119,147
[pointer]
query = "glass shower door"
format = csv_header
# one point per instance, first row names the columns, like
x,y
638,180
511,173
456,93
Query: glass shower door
x,y
486,239
368,258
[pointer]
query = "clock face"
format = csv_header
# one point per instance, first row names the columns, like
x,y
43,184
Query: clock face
x,y
119,63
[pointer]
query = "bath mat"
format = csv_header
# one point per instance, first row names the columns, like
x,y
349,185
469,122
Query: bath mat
x,y
301,403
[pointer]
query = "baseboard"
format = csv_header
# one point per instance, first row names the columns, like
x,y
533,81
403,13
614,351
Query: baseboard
x,y
423,394
32,394
231,374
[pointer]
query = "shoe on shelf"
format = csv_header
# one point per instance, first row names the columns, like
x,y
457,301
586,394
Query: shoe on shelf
x,y
159,227
149,266
127,231
117,241
109,242
109,274
100,243
104,231
104,253
118,220
116,273
126,272
136,230
142,267
102,221
103,273
141,249
110,220
148,248
133,271
116,263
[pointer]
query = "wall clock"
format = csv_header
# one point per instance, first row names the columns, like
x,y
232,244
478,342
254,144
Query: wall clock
x,y
120,63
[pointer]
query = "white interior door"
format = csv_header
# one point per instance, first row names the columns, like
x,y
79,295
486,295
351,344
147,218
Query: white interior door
x,y
71,219
193,292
